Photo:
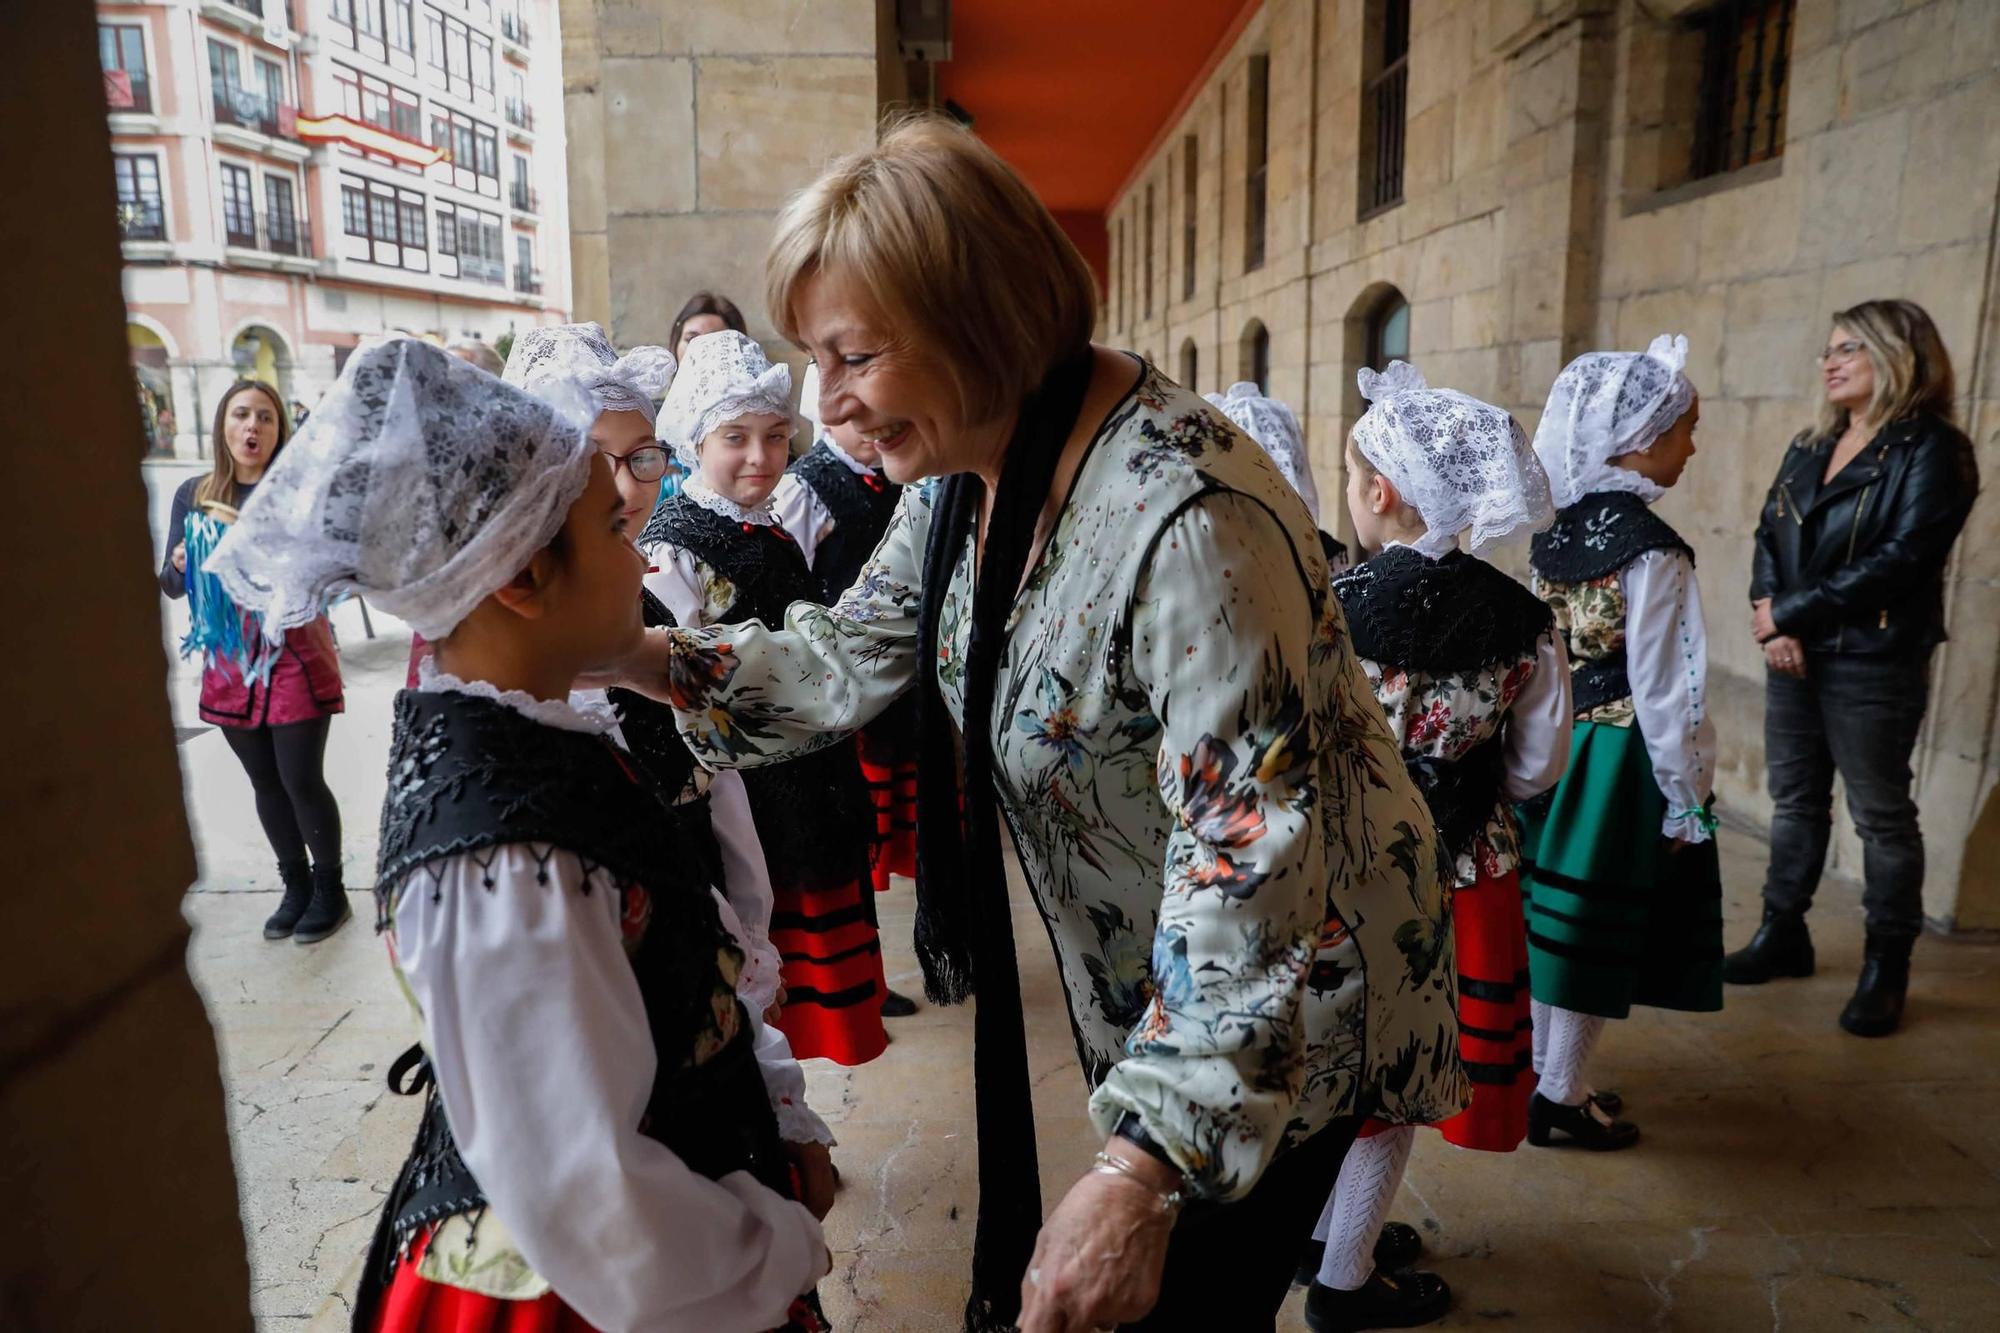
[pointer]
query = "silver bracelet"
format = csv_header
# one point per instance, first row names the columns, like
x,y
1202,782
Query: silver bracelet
x,y
1106,1165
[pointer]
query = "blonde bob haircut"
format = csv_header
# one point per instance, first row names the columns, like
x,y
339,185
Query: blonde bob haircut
x,y
960,255
1912,368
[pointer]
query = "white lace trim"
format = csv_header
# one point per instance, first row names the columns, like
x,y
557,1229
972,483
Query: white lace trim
x,y
854,465
716,503
586,710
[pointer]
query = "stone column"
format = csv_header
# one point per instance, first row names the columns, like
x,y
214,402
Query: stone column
x,y
121,1207
689,124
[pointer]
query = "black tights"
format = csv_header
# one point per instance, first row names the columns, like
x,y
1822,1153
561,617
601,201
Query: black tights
x,y
286,767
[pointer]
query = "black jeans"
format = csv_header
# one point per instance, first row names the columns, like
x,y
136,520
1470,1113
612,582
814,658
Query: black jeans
x,y
1230,1265
1857,716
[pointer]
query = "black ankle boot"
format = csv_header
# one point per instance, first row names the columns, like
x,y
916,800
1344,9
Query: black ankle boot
x,y
1399,1246
1386,1300
1877,1007
895,1004
329,910
298,892
1579,1127
1782,947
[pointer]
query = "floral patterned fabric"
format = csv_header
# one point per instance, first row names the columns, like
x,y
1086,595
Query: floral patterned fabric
x,y
1591,618
1446,717
1241,883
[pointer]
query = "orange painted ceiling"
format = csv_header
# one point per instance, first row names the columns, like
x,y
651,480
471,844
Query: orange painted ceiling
x,y
1073,92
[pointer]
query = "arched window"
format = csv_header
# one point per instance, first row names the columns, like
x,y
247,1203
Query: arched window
x,y
1190,365
1389,331
1254,356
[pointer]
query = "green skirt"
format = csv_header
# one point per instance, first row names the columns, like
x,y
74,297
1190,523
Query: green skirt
x,y
1614,917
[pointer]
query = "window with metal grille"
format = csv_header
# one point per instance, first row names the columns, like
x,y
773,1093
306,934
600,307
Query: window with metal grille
x,y
1257,122
121,50
141,213
1746,46
1385,105
1189,177
1147,279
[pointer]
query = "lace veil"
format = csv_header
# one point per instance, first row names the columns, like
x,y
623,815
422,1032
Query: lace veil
x,y
726,376
1607,404
1271,424
582,352
1461,463
419,481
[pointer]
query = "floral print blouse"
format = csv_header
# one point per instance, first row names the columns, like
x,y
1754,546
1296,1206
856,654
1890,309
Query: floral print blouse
x,y
1242,886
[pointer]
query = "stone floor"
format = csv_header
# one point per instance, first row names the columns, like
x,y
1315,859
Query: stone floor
x,y
1791,1176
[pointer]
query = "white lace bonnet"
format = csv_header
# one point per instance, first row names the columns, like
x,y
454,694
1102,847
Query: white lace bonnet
x,y
1607,404
726,375
1273,425
583,352
419,481
1461,463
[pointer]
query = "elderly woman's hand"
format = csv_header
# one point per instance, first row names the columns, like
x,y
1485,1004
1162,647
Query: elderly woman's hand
x,y
1762,626
1100,1255
1786,656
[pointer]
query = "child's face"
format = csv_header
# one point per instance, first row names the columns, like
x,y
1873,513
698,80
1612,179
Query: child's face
x,y
592,605
743,459
1663,461
638,461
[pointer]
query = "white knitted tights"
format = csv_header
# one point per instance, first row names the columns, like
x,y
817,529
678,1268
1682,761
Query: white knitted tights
x,y
1359,1204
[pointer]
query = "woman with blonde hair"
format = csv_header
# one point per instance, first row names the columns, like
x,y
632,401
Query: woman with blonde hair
x,y
1847,598
1120,612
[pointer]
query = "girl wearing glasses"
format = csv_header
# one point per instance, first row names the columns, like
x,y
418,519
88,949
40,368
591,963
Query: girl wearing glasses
x,y
722,556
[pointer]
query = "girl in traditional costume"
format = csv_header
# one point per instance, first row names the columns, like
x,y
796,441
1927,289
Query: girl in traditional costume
x,y
598,1150
722,556
1274,426
1469,669
1624,889
273,702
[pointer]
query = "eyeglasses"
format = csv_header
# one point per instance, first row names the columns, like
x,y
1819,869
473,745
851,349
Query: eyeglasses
x,y
1840,352
647,463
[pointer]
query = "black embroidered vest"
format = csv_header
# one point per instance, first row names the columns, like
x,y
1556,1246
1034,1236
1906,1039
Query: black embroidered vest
x,y
1593,539
861,506
468,776
811,812
1445,617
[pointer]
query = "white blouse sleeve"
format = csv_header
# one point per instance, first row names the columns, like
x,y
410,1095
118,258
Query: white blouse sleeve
x,y
1666,658
676,580
1539,724
801,513
747,885
784,1081
538,1039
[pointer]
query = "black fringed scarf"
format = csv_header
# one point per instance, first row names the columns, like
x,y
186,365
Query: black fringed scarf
x,y
964,933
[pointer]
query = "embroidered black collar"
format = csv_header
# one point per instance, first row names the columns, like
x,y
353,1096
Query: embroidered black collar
x,y
1600,535
1457,613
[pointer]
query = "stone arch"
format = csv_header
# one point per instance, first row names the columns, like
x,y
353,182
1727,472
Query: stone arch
x,y
152,352
259,352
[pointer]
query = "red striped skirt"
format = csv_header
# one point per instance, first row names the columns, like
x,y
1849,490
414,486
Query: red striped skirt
x,y
1495,1032
832,970
890,771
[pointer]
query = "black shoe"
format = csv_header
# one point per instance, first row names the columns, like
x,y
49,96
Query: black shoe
x,y
1782,947
298,893
1399,1246
897,1005
1608,1102
329,910
1877,1007
1581,1128
1393,1300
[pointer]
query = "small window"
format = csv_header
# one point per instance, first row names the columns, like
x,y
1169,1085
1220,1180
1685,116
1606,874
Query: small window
x,y
1385,101
1257,161
1190,365
281,222
141,213
1189,176
1389,332
121,50
1744,63
1255,360
239,209
1147,279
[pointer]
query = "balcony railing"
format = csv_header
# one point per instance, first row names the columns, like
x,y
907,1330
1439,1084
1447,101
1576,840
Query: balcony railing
x,y
514,28
526,198
280,235
520,114
251,111
141,220
527,280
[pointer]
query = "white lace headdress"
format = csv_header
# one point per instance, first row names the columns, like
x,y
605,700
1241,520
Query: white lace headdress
x,y
1271,424
1607,404
726,375
419,481
1461,463
582,352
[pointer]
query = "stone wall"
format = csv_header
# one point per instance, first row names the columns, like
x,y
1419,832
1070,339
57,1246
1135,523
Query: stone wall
x,y
689,125
1546,210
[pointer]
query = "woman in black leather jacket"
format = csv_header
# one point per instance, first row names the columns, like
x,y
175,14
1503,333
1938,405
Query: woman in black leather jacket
x,y
1847,597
